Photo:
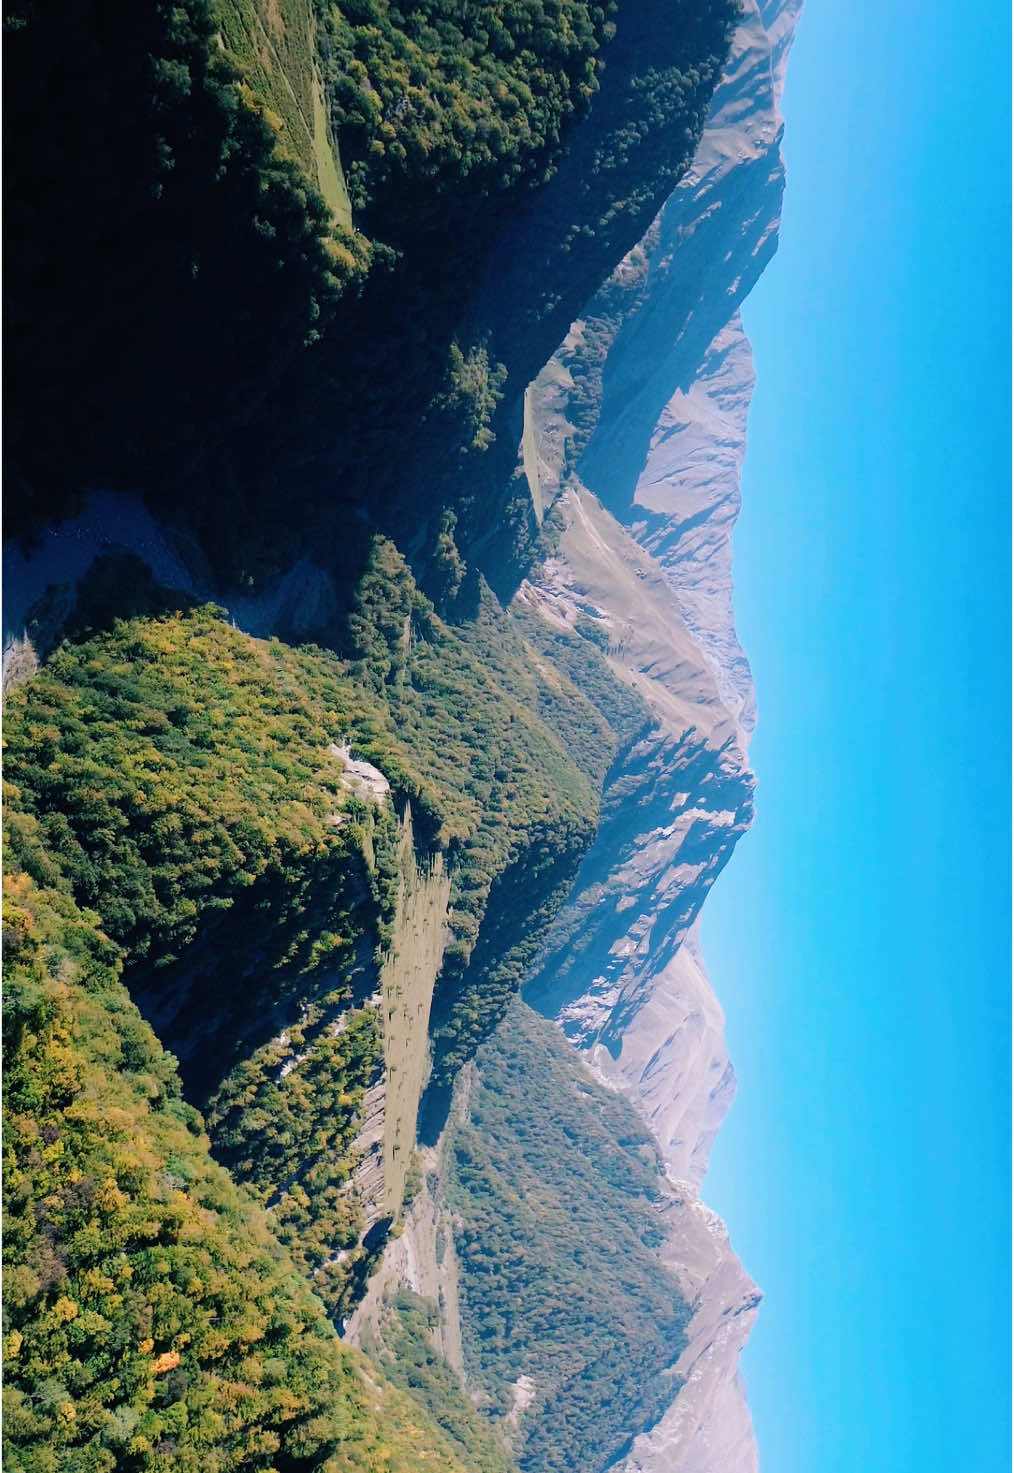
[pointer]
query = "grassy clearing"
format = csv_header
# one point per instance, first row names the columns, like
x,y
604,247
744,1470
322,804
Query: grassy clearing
x,y
274,42
330,178
407,979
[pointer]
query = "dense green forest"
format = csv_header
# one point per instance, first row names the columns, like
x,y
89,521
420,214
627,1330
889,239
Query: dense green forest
x,y
176,766
555,1188
284,1122
182,778
221,324
430,95
206,261
174,782
178,777
151,1318
173,791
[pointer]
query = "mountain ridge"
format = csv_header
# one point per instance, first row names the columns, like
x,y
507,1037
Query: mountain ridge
x,y
285,891
665,455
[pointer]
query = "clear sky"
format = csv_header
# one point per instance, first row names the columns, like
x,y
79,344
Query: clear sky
x,y
859,939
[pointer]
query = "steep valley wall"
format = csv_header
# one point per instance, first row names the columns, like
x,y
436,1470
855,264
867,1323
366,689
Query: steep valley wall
x,y
632,449
647,514
633,443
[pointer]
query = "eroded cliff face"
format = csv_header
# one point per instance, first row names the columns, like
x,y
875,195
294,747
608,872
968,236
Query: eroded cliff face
x,y
635,434
708,1426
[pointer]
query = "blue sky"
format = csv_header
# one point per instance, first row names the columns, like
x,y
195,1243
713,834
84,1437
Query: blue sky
x,y
859,939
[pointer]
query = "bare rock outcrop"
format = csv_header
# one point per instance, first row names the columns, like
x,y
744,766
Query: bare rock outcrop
x,y
708,1425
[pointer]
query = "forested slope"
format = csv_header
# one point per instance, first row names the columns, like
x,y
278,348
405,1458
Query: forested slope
x,y
220,340
315,251
176,814
151,1318
557,1195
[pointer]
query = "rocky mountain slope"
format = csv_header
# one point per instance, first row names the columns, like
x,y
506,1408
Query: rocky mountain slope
x,y
622,974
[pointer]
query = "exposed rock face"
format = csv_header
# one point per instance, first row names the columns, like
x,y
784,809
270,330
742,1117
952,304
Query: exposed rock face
x,y
708,1426
621,972
690,1055
637,429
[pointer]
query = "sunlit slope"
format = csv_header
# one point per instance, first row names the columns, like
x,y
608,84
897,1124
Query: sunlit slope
x,y
274,42
151,1318
180,816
